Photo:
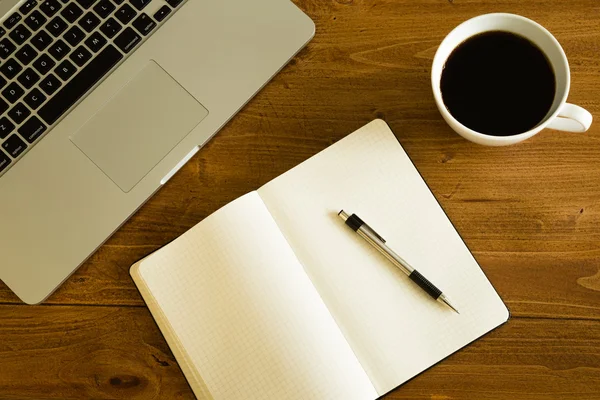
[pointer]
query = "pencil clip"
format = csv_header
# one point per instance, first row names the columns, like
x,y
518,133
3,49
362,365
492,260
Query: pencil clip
x,y
373,232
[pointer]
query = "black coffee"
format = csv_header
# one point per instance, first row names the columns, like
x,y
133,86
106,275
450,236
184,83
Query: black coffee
x,y
498,83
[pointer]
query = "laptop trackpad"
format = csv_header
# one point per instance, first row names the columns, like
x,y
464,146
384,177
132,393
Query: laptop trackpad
x,y
139,126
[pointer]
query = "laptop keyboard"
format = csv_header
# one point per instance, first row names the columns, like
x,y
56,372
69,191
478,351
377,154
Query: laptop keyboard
x,y
53,52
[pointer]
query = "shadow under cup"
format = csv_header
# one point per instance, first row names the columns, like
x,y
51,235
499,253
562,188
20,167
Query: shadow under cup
x,y
513,24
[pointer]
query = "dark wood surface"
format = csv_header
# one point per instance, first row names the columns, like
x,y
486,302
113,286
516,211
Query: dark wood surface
x,y
530,213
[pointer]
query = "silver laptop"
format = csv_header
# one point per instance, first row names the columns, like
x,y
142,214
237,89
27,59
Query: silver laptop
x,y
102,101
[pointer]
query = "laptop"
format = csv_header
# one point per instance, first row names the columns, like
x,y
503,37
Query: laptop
x,y
102,101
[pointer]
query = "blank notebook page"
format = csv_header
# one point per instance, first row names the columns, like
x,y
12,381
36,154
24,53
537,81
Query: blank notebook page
x,y
244,310
396,330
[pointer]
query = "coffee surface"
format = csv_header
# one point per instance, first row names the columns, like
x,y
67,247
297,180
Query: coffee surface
x,y
498,83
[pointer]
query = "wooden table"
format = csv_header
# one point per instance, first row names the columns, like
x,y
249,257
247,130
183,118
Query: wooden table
x,y
530,213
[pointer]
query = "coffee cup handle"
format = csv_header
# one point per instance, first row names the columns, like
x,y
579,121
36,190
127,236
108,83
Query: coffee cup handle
x,y
572,118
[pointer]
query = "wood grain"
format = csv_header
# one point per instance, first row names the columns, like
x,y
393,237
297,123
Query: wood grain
x,y
65,352
530,213
83,352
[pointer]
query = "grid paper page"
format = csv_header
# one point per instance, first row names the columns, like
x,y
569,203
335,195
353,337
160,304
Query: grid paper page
x,y
394,328
246,313
183,359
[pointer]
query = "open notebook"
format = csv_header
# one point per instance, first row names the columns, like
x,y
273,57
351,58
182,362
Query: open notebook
x,y
273,297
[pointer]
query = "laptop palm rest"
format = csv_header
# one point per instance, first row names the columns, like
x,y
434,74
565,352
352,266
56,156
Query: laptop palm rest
x,y
139,126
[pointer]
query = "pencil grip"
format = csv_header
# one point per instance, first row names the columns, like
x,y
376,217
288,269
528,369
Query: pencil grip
x,y
427,286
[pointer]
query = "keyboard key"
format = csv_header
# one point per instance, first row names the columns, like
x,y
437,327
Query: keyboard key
x,y
3,82
118,2
28,78
6,48
36,20
4,161
26,54
174,3
2,31
6,127
80,56
74,35
20,34
13,92
95,42
86,3
125,14
71,12
14,146
65,70
139,4
43,64
56,26
27,7
35,98
127,40
104,8
41,40
65,1
110,28
144,24
80,84
59,50
32,129
12,20
11,68
19,112
89,22
50,84
162,13
50,7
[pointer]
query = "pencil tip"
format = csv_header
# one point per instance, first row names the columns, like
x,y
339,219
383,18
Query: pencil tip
x,y
446,302
453,309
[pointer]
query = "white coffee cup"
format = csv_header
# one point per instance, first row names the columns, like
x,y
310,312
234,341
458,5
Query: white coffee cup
x,y
562,115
